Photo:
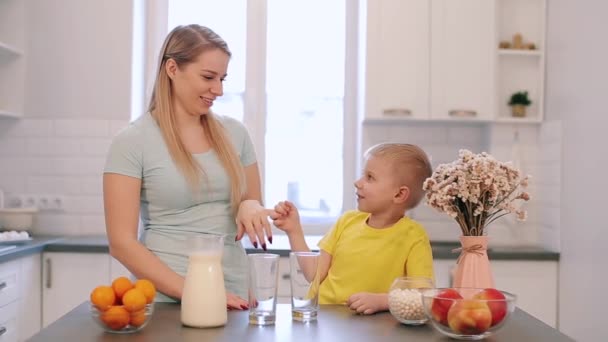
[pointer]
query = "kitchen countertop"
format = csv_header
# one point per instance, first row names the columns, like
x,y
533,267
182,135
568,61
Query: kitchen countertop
x,y
99,244
335,323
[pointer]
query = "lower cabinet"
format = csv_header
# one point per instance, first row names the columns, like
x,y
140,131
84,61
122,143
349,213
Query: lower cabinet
x,y
69,278
30,301
20,298
533,282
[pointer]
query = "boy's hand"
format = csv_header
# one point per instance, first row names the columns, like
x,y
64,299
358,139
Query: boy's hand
x,y
286,217
368,303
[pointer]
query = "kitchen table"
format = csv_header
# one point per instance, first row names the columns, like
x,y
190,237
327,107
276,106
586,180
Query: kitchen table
x,y
336,323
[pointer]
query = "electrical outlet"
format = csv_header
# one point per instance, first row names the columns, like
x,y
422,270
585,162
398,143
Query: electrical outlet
x,y
42,202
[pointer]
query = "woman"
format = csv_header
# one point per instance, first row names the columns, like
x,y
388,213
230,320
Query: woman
x,y
187,170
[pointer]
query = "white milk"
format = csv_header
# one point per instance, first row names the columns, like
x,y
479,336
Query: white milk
x,y
204,296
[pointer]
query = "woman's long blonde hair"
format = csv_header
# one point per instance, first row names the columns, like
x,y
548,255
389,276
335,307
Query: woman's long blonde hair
x,y
184,44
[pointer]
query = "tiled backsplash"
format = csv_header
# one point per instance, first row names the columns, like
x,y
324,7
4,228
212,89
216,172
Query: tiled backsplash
x,y
535,149
58,157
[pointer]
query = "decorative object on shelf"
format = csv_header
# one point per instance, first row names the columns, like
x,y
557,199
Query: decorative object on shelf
x,y
518,102
517,43
475,190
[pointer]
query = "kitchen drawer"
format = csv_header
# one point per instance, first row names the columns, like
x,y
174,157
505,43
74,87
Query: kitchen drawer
x,y
8,322
284,287
9,277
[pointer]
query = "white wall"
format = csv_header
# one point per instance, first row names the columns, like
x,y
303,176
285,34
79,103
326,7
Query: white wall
x,y
576,92
78,94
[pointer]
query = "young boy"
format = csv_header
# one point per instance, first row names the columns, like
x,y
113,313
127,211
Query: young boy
x,y
368,248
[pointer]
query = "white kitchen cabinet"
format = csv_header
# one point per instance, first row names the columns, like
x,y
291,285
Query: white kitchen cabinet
x,y
68,279
443,272
12,57
30,303
10,275
9,322
397,59
20,298
439,60
534,283
463,46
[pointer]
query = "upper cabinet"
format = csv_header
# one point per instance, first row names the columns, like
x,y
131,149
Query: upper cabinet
x,y
397,58
12,57
462,59
445,59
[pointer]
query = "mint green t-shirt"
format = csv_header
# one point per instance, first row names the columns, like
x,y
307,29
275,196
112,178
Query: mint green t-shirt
x,y
170,212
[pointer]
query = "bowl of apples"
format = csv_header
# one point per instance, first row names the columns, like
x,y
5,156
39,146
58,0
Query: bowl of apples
x,y
468,313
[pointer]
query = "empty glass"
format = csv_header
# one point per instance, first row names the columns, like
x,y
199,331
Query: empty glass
x,y
304,285
263,281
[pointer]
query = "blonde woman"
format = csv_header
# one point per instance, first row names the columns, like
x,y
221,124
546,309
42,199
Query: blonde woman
x,y
186,170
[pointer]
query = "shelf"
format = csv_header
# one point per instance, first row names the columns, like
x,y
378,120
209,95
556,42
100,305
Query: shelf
x,y
403,120
7,114
524,120
515,52
8,50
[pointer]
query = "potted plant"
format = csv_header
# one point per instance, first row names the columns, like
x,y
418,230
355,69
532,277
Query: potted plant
x,y
518,102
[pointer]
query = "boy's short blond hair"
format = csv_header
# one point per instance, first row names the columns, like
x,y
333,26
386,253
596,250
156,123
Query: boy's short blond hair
x,y
411,165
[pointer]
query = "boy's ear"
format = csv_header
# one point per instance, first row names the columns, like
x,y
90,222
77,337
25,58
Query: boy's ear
x,y
402,194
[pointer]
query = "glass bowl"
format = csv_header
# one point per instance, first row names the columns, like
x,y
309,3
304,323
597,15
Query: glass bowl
x,y
468,313
118,320
405,299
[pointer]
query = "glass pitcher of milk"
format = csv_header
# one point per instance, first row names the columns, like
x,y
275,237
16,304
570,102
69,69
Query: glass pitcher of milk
x,y
204,296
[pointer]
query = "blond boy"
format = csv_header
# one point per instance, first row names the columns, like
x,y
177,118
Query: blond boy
x,y
369,247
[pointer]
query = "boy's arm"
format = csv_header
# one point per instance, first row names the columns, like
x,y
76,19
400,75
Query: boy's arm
x,y
368,303
324,265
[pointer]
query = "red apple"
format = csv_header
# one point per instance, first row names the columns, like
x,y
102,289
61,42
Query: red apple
x,y
469,317
440,307
496,302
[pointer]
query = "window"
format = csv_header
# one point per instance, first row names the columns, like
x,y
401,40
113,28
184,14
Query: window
x,y
286,82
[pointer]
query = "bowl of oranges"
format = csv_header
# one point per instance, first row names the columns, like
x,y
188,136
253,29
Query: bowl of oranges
x,y
123,307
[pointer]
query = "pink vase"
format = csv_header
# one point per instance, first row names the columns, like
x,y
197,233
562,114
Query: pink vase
x,y
473,267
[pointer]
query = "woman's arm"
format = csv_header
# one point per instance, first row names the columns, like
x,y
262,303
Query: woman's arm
x,y
121,196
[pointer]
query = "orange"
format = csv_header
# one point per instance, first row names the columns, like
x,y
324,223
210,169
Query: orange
x,y
121,285
134,300
115,317
103,297
147,288
138,318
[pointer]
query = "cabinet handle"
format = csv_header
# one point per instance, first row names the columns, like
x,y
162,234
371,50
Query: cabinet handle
x,y
2,285
462,113
2,330
286,276
48,273
397,112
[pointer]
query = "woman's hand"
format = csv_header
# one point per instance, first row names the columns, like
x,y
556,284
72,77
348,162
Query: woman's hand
x,y
368,303
234,302
287,218
252,219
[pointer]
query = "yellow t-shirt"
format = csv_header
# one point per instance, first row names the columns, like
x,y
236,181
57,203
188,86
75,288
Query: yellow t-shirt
x,y
366,259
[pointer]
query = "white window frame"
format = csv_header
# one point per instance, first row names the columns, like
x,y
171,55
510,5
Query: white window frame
x,y
254,118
